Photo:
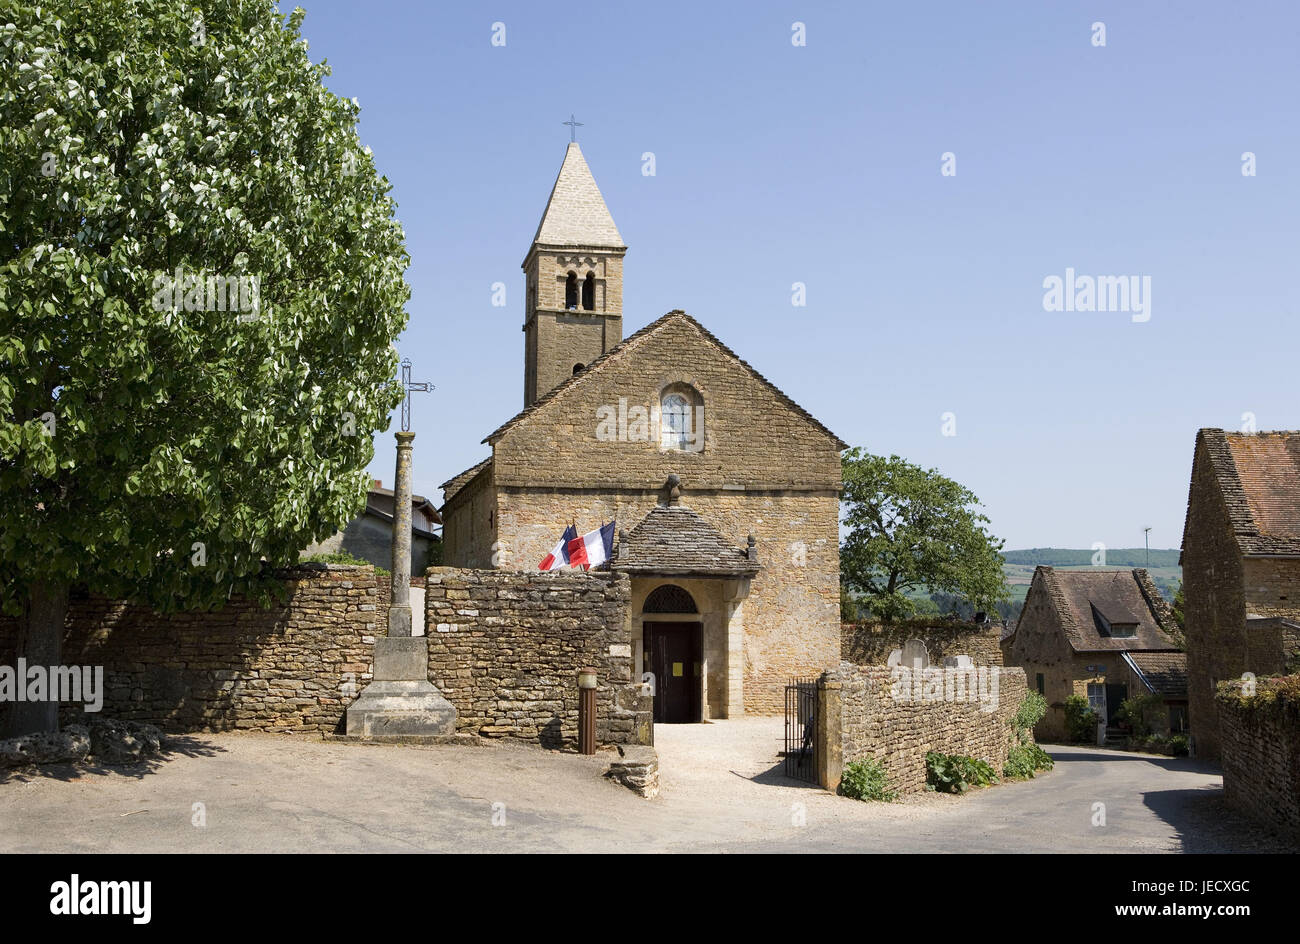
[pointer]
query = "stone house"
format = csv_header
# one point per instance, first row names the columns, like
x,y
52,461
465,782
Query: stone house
x,y
1103,634
725,491
1241,567
369,536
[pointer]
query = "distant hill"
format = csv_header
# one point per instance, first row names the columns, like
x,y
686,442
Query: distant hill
x,y
1164,570
1077,557
1019,569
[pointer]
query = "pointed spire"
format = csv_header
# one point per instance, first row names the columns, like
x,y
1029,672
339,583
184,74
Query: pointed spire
x,y
576,214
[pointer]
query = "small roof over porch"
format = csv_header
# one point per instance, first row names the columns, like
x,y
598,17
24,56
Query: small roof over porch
x,y
673,541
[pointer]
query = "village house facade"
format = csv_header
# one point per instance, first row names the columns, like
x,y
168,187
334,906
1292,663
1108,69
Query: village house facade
x,y
1105,635
369,536
1241,567
725,492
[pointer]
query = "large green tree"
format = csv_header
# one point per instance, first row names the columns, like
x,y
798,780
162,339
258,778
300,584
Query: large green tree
x,y
153,445
910,529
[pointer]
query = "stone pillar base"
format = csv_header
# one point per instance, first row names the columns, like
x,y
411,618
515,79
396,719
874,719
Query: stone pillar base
x,y
401,700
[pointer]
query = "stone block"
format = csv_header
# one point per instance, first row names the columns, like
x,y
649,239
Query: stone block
x,y
399,659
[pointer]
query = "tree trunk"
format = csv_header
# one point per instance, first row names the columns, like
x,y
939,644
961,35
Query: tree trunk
x,y
40,642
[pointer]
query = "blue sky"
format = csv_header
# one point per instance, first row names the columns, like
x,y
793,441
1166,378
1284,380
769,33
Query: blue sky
x,y
821,164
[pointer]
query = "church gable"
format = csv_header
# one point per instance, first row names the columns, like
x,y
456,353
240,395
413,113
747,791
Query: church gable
x,y
670,398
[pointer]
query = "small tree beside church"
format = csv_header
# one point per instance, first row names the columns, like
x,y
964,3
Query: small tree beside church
x,y
913,529
201,279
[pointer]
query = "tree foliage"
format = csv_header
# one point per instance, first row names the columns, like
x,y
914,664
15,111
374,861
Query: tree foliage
x,y
163,452
910,528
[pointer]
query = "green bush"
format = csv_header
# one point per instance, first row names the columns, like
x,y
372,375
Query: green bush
x,y
1178,745
955,773
1032,708
1080,720
1141,714
1024,760
865,780
342,557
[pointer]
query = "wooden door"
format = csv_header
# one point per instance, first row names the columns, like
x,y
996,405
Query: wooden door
x,y
1115,695
675,655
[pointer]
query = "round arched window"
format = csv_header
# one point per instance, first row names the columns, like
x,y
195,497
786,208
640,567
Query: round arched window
x,y
676,428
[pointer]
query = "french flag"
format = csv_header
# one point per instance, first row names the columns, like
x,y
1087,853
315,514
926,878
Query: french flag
x,y
593,548
559,555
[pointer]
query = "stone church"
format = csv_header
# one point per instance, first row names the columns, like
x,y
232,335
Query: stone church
x,y
724,490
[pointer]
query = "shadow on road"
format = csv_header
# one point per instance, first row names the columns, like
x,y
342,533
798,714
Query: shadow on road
x,y
1097,755
775,777
173,746
1205,823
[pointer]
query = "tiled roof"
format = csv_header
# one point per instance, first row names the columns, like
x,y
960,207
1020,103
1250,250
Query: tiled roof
x,y
1164,672
627,345
381,499
456,483
1123,596
576,214
674,541
1259,478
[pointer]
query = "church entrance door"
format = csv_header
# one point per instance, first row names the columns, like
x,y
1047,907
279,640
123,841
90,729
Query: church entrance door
x,y
676,656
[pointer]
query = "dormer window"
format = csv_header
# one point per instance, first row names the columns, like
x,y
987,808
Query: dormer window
x,y
571,292
1116,626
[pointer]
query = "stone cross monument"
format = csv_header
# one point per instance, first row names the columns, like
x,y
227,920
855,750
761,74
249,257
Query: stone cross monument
x,y
401,702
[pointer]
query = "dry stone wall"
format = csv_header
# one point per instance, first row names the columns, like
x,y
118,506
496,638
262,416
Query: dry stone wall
x,y
875,711
871,643
1260,753
291,668
505,648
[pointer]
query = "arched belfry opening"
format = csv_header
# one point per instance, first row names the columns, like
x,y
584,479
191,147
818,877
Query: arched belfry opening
x,y
571,292
589,292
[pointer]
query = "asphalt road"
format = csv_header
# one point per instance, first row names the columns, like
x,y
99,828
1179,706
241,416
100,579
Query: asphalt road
x,y
722,790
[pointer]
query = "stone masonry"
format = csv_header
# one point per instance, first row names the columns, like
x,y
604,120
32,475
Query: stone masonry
x,y
859,716
1260,738
291,668
871,643
1239,560
766,469
757,464
505,649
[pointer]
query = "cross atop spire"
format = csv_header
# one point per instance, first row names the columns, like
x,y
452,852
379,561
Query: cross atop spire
x,y
573,127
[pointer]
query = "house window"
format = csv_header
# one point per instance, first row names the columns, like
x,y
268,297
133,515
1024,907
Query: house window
x,y
1039,680
1097,697
681,420
589,292
571,292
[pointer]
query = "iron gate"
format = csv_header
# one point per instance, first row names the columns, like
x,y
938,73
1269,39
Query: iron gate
x,y
801,729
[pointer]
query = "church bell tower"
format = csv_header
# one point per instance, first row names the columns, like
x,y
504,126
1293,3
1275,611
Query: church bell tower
x,y
573,307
